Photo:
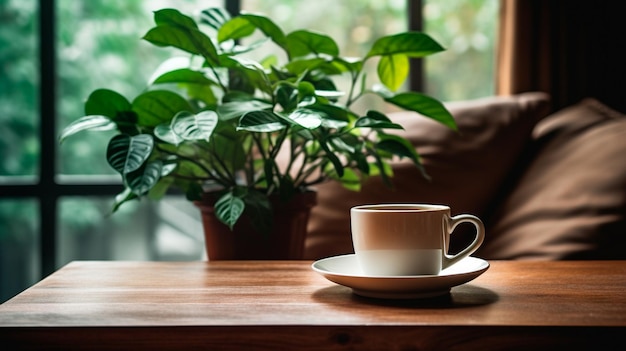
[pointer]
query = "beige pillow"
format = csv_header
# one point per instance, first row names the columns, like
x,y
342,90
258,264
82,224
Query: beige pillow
x,y
466,168
570,202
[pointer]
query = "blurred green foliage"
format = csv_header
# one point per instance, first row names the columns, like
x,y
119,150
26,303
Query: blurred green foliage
x,y
19,147
467,29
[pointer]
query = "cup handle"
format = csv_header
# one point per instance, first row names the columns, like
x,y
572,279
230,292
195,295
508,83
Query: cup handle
x,y
449,260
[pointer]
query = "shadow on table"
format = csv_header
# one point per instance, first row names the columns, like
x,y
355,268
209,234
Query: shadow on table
x,y
467,295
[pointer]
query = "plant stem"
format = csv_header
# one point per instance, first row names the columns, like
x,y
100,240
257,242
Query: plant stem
x,y
212,174
355,77
217,76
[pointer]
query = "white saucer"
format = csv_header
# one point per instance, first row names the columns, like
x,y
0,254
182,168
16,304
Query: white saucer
x,y
345,270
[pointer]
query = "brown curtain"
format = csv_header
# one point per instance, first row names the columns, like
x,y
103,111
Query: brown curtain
x,y
571,49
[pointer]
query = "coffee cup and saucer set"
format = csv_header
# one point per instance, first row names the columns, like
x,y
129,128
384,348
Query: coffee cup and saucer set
x,y
400,252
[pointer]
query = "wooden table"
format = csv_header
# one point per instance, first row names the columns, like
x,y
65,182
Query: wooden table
x,y
228,305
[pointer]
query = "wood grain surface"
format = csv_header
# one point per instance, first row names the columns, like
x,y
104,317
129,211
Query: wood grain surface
x,y
284,305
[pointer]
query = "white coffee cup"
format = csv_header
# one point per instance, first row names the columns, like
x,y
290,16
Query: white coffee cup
x,y
407,239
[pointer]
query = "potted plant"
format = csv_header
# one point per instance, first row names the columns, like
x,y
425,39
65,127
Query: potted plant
x,y
216,126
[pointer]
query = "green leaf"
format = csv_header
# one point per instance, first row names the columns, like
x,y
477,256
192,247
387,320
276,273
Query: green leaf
x,y
241,62
306,94
306,89
173,17
330,94
350,180
385,171
159,190
195,127
106,103
226,145
269,61
184,75
158,106
424,105
304,42
237,49
375,119
361,162
268,27
201,93
306,100
299,66
412,44
378,169
165,133
366,122
400,147
197,84
247,73
351,64
393,70
286,96
333,158
187,39
236,28
123,197
236,109
188,170
95,123
340,144
167,169
126,154
333,123
305,118
261,121
334,113
142,180
214,17
229,208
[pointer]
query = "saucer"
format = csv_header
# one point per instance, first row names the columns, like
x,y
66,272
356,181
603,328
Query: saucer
x,y
345,270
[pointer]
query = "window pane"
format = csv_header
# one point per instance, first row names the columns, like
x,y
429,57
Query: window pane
x,y
19,246
467,29
19,144
170,229
99,46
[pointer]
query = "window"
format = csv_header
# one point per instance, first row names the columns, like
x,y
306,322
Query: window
x,y
53,53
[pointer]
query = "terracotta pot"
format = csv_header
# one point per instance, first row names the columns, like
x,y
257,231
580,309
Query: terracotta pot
x,y
284,242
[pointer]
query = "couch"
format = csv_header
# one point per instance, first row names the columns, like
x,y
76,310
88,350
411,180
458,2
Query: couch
x,y
548,186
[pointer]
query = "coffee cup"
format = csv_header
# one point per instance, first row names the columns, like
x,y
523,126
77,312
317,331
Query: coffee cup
x,y
408,239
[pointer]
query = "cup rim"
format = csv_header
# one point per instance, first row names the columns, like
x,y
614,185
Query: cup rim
x,y
400,207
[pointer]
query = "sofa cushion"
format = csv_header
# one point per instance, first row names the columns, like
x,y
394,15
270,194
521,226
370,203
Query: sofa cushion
x,y
466,167
570,202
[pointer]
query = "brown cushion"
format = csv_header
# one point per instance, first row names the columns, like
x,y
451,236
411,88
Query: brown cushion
x,y
466,167
570,202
